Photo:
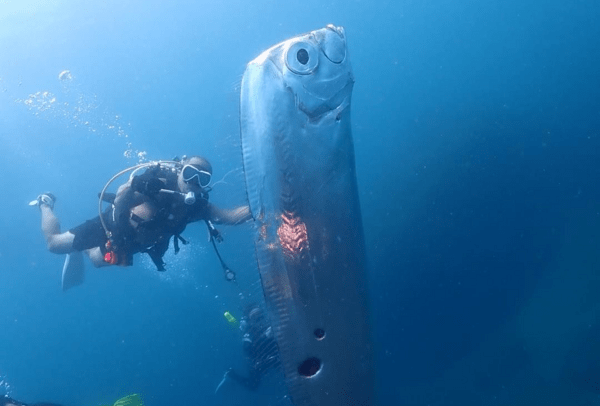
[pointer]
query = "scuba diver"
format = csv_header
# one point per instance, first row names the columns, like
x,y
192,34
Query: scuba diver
x,y
149,209
259,348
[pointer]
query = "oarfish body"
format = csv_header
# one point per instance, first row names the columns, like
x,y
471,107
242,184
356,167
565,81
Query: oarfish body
x,y
301,182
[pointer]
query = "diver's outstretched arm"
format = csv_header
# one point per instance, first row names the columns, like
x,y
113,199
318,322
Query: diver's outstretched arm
x,y
235,216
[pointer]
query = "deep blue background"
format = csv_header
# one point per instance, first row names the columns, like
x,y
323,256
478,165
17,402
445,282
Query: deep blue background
x,y
477,133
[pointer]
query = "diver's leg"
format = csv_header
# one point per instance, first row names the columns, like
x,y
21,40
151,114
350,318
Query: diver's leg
x,y
253,379
57,242
95,255
250,383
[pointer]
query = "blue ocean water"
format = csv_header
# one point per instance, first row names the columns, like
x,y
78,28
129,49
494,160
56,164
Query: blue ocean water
x,y
477,135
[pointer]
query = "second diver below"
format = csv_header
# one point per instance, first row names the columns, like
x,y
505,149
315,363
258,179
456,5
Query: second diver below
x,y
146,212
260,349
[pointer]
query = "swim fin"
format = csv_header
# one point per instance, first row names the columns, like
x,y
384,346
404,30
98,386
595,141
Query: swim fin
x,y
73,273
223,380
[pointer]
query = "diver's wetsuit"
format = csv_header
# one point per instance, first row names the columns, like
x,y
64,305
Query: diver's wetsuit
x,y
91,234
261,352
171,219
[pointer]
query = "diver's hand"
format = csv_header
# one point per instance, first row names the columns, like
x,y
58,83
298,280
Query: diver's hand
x,y
148,187
216,234
213,232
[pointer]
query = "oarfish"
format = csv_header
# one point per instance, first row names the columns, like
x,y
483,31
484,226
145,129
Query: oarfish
x,y
300,176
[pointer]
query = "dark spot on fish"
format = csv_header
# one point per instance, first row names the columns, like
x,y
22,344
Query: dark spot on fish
x,y
319,333
302,56
339,116
310,367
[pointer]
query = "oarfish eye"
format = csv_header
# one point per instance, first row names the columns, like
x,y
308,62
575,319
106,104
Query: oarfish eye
x,y
302,58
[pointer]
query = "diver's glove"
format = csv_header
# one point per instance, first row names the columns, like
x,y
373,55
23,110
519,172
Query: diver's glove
x,y
148,187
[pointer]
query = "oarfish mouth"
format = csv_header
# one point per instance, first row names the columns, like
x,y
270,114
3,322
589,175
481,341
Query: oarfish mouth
x,y
332,41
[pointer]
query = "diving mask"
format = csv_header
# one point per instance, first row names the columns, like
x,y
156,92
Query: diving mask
x,y
190,174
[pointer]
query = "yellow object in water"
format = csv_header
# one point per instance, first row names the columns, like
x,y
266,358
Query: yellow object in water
x,y
131,400
230,318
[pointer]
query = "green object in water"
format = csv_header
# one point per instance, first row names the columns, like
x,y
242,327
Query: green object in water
x,y
131,400
230,318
